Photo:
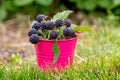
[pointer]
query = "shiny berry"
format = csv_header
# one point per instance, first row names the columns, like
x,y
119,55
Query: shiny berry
x,y
69,32
34,39
40,17
59,23
32,31
67,22
43,25
50,25
36,25
54,34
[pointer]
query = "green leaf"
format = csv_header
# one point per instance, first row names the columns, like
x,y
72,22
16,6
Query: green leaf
x,y
104,3
79,4
116,2
82,29
10,6
56,51
61,15
73,26
92,5
44,2
22,2
3,14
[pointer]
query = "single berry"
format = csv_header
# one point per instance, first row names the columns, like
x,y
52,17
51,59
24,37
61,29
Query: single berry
x,y
54,34
36,25
67,22
50,25
69,32
34,39
43,25
66,32
72,32
40,17
59,23
32,31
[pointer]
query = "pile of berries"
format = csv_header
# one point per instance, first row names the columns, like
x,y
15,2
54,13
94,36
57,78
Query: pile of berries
x,y
49,29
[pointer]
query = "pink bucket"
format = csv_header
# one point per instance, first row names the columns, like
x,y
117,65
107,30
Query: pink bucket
x,y
44,53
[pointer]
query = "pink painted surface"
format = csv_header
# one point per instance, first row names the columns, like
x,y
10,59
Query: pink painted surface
x,y
44,53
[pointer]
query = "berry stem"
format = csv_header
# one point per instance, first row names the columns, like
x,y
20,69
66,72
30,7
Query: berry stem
x,y
42,34
60,34
49,34
29,22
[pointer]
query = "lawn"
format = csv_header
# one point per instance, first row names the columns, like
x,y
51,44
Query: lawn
x,y
97,58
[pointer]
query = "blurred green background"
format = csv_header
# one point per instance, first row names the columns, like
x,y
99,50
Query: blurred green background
x,y
10,8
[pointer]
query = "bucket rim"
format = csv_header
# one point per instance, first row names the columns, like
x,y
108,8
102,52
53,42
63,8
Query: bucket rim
x,y
59,40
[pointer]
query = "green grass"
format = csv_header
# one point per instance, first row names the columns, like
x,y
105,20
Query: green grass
x,y
100,51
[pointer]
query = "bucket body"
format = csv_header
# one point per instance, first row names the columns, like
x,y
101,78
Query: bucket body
x,y
45,55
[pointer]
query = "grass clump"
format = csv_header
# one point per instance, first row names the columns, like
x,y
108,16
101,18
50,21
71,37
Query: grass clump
x,y
100,51
106,67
